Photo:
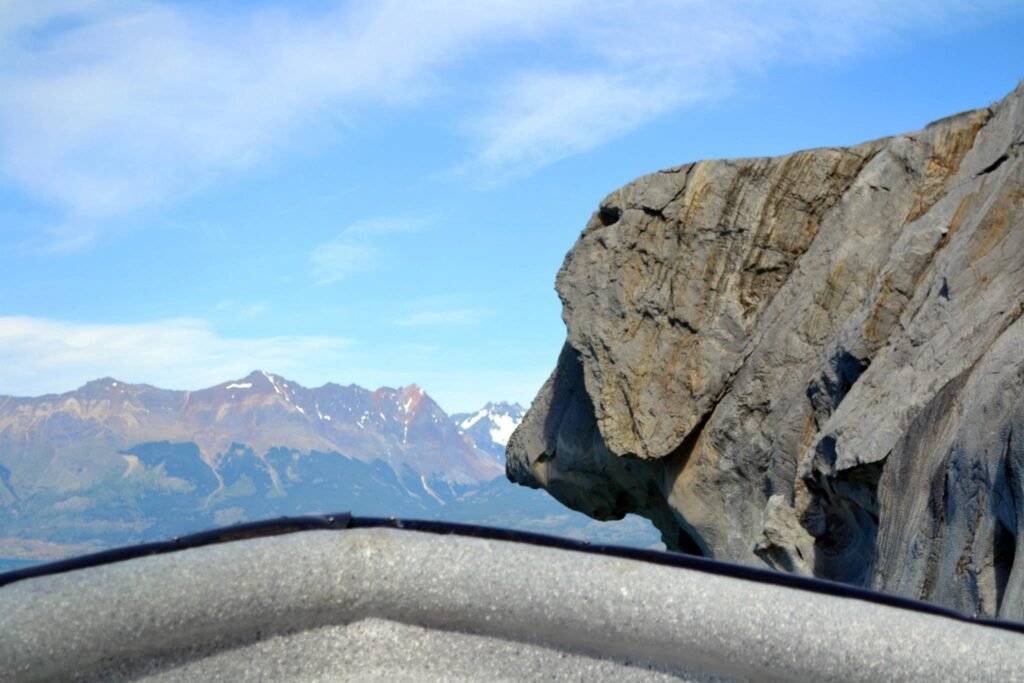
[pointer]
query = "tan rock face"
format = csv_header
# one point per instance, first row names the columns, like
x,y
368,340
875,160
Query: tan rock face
x,y
812,361
678,279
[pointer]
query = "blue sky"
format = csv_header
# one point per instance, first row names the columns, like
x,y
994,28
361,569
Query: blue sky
x,y
382,192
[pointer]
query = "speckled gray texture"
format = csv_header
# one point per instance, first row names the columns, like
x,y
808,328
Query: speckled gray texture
x,y
383,604
385,651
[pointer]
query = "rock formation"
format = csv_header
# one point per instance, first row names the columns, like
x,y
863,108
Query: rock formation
x,y
814,361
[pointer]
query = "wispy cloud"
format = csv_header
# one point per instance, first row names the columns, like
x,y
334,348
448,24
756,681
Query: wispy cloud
x,y
442,318
625,68
239,310
108,106
340,258
252,311
376,227
41,355
355,249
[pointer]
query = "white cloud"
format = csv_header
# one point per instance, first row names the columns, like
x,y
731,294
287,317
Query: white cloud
x,y
542,117
435,318
339,258
353,250
42,356
252,311
632,66
107,105
374,227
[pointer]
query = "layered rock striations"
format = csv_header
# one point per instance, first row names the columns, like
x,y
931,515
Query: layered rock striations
x,y
814,361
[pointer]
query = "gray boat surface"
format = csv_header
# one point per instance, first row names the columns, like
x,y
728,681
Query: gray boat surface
x,y
335,598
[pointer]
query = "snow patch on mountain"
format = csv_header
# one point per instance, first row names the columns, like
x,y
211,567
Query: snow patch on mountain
x,y
476,417
426,487
491,426
503,426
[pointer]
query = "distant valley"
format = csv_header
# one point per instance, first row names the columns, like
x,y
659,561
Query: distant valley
x,y
114,463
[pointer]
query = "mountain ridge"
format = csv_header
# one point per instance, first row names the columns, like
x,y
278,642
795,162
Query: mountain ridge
x,y
265,410
112,463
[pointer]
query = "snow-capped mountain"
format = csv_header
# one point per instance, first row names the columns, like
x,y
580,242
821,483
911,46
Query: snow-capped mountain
x,y
113,463
113,433
491,426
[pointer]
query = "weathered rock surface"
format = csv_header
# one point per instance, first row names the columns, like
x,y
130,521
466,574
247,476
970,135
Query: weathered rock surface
x,y
813,361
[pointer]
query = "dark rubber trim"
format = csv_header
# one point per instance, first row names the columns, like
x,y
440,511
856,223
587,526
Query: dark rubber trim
x,y
236,532
341,521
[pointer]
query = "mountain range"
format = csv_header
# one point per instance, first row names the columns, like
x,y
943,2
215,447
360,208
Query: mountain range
x,y
113,463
